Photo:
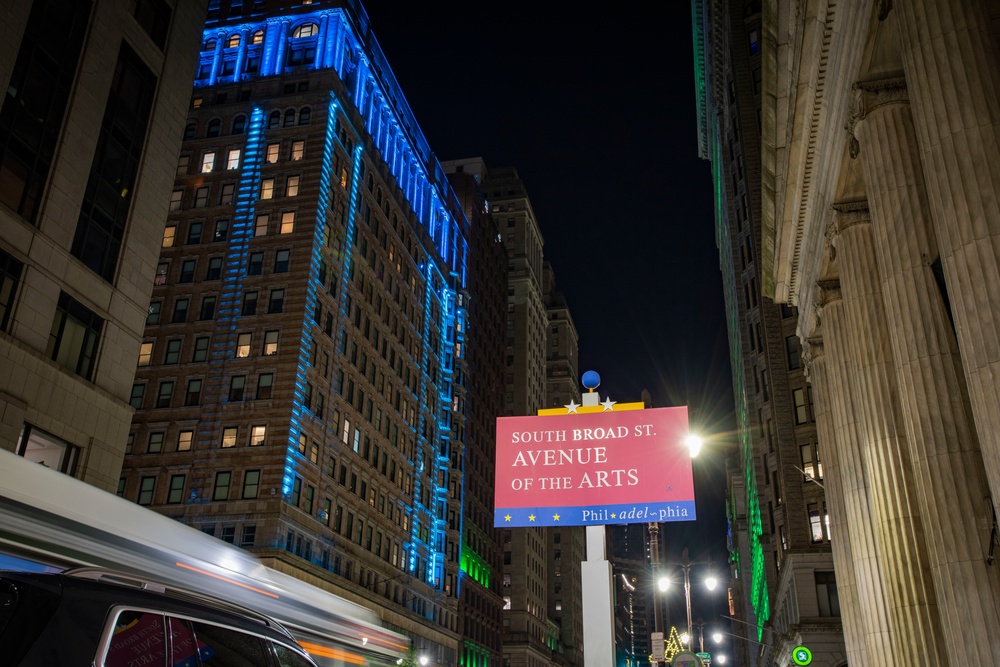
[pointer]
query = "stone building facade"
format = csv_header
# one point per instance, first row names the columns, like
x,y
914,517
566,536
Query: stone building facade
x,y
90,127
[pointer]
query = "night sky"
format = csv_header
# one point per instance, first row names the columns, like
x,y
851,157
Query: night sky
x,y
595,109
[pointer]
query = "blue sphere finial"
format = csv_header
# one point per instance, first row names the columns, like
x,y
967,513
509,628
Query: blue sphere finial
x,y
591,380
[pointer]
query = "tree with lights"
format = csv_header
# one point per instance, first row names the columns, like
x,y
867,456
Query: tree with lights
x,y
673,646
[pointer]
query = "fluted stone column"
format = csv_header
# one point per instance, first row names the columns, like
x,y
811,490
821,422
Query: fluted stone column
x,y
949,58
899,526
840,538
879,637
944,450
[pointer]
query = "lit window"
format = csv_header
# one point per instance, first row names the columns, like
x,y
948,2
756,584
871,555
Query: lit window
x,y
229,436
257,435
272,153
267,188
196,102
233,159
234,41
145,354
243,345
270,343
175,200
257,37
169,235
260,225
305,30
184,439
298,149
287,222
207,162
292,186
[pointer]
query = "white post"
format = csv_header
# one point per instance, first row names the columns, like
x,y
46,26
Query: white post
x,y
598,606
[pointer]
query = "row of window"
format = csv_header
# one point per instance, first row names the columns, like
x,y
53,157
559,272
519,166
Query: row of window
x,y
182,306
213,270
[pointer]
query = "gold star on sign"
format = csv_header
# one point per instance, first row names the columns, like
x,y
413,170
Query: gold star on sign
x,y
555,517
612,515
506,517
531,517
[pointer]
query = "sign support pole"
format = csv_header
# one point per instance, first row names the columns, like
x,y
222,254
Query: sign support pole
x,y
598,593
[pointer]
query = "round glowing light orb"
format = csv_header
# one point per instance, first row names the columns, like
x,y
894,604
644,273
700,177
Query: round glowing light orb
x,y
717,637
711,583
424,660
685,638
663,583
721,659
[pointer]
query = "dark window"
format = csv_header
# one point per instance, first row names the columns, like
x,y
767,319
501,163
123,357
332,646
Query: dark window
x,y
826,594
176,493
10,276
277,301
221,491
194,232
36,100
236,387
200,349
256,264
147,485
250,303
193,395
281,261
187,271
76,331
264,383
138,392
189,130
173,354
238,648
207,307
101,226
251,484
164,394
304,115
180,310
214,271
153,314
153,16
290,117
214,127
274,120
794,352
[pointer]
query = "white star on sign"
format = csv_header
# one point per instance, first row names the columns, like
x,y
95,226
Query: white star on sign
x,y
609,405
571,408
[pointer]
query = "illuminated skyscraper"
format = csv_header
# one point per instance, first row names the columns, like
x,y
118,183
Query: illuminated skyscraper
x,y
306,374
95,94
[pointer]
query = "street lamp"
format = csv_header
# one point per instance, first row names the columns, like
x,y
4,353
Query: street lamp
x,y
710,583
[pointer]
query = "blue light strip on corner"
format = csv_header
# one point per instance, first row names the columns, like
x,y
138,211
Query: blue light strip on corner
x,y
234,269
312,294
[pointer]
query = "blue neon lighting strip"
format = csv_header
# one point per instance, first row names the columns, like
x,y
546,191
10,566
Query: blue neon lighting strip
x,y
234,268
312,294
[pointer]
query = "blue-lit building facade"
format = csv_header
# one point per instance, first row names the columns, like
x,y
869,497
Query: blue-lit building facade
x,y
303,384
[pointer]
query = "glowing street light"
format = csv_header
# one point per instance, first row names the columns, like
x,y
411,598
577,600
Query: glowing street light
x,y
663,583
693,443
423,660
721,659
717,637
711,583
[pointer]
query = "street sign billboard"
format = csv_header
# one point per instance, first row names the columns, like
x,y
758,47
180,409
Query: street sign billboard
x,y
595,468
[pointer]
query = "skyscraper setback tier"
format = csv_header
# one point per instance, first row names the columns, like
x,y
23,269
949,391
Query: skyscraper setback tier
x,y
301,387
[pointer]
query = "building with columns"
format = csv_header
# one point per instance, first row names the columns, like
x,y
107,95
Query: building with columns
x,y
783,583
95,93
881,226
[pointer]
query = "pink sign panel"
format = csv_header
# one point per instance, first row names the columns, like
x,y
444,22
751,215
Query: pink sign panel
x,y
597,468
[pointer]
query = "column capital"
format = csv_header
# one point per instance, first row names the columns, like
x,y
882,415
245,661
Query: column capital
x,y
829,291
848,214
866,96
